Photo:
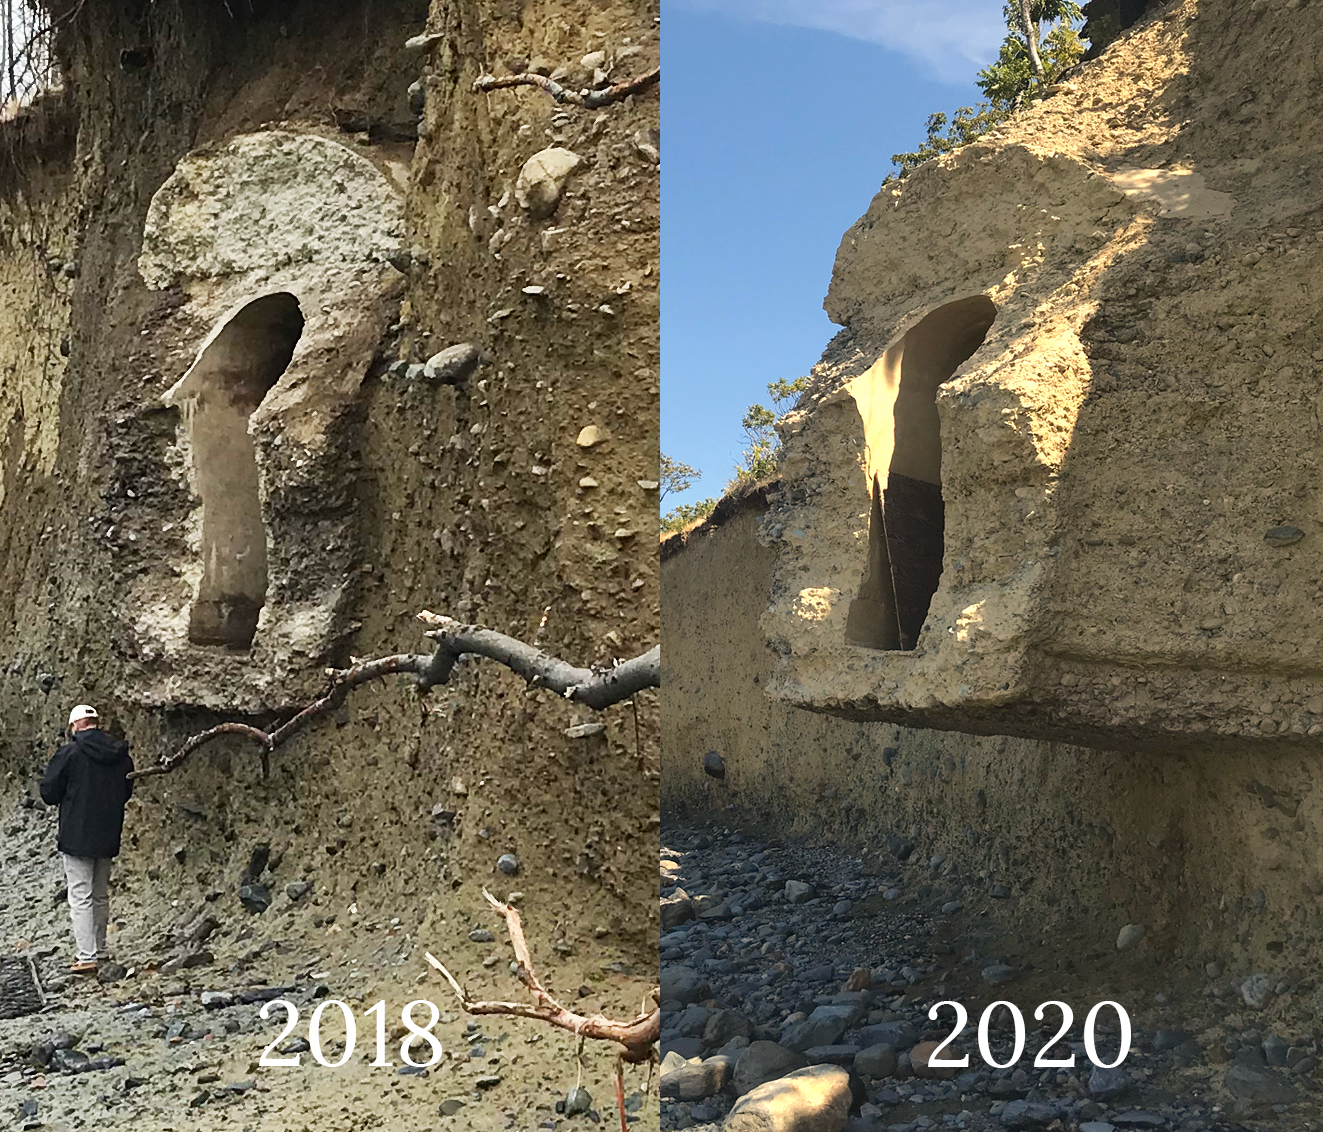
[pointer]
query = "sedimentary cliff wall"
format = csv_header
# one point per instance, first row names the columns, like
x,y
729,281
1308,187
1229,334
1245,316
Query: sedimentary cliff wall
x,y
227,247
1052,492
1056,476
1217,857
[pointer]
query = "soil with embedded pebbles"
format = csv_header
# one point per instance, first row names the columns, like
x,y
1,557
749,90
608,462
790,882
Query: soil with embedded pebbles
x,y
170,1033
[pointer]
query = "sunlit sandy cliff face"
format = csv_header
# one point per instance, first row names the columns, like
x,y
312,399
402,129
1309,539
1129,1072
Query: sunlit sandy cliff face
x,y
1057,476
1023,596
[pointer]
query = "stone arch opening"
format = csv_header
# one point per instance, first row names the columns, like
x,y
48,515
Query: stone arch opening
x,y
235,370
897,399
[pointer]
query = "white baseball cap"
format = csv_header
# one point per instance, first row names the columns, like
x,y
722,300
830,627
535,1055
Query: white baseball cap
x,y
82,711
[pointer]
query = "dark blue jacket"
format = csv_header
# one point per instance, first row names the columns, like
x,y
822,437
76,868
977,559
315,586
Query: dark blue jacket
x,y
88,780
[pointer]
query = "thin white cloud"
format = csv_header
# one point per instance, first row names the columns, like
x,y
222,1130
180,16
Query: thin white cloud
x,y
954,37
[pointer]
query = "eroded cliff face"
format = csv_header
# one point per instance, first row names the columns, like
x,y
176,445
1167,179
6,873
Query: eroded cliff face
x,y
1086,353
1056,477
225,468
1053,847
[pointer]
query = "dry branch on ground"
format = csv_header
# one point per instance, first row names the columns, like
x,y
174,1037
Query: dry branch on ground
x,y
638,1036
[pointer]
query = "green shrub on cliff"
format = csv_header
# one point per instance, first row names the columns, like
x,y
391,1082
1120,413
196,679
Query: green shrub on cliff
x,y
1010,82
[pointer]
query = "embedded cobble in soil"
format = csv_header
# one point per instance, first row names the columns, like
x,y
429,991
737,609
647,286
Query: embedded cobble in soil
x,y
778,956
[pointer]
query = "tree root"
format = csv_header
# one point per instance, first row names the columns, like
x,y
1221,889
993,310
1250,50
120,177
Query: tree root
x,y
589,99
594,688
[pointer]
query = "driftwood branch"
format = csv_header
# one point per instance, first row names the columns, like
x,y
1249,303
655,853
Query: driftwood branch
x,y
200,739
594,688
589,99
638,1036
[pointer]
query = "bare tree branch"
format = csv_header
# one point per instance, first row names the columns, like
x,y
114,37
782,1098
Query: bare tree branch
x,y
342,681
202,737
638,1036
27,66
594,688
589,99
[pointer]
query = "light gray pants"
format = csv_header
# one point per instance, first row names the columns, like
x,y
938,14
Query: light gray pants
x,y
89,903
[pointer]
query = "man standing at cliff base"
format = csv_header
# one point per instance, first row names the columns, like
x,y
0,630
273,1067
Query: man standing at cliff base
x,y
88,780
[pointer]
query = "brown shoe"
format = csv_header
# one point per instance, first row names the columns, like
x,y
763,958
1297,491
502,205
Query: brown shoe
x,y
83,967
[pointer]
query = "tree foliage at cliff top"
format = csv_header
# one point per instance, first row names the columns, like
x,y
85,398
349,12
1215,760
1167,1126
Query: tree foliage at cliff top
x,y
1011,81
757,462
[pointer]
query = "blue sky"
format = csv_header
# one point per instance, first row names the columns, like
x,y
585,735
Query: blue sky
x,y
779,121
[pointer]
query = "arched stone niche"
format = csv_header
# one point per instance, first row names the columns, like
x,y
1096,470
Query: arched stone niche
x,y
280,244
239,364
897,402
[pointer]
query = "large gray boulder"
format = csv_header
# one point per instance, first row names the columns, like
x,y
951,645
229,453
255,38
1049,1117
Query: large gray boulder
x,y
698,1082
876,1060
676,909
821,1028
1258,1086
799,892
683,985
723,1025
1028,1114
692,1021
899,1034
765,1061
